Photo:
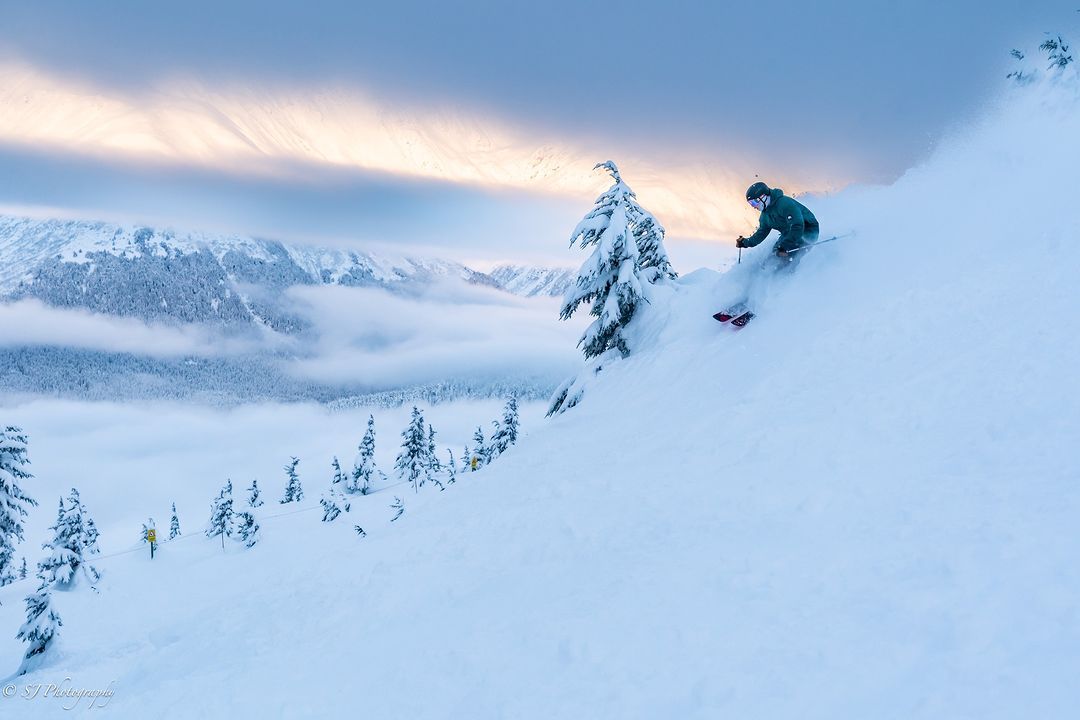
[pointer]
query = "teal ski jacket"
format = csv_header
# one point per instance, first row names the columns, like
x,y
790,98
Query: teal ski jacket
x,y
797,225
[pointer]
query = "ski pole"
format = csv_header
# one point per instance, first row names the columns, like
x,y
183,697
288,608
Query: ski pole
x,y
740,257
821,242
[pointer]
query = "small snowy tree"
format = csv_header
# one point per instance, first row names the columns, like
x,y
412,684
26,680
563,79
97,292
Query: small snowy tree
x,y
339,477
466,459
628,255
506,432
451,468
432,466
246,528
221,513
364,465
1057,52
22,569
398,507
253,495
14,502
174,524
480,450
294,492
411,461
71,546
333,503
40,629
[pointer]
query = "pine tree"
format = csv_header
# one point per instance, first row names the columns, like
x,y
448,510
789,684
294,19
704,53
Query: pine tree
x,y
22,569
628,256
71,546
432,466
466,458
40,629
245,528
411,461
174,524
451,468
333,503
221,513
14,502
339,477
506,433
480,450
398,507
294,492
253,495
364,465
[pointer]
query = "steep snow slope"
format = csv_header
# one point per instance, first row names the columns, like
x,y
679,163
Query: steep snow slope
x,y
862,505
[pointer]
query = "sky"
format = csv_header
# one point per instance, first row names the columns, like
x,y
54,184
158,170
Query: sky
x,y
469,130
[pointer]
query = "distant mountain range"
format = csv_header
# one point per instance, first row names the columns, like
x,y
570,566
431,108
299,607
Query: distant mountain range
x,y
158,275
228,282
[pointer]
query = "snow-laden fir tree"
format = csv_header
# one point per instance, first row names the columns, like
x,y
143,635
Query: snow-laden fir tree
x,y
506,432
451,468
333,502
466,458
14,502
480,450
412,462
294,492
72,546
245,528
433,468
253,495
398,507
174,524
22,569
628,255
221,513
339,477
40,629
364,465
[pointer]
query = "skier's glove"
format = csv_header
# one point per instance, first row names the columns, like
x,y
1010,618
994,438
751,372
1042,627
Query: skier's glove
x,y
782,253
740,242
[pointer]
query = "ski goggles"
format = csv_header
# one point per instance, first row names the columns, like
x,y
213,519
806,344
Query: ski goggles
x,y
756,203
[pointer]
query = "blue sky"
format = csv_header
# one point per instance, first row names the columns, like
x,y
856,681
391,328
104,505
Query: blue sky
x,y
424,124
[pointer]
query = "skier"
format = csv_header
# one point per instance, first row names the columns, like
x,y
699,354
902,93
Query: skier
x,y
797,225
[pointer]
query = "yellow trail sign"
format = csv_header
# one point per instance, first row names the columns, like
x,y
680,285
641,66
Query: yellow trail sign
x,y
151,535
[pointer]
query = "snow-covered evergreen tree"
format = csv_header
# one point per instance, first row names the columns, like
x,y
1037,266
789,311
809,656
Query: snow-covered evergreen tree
x,y
72,545
246,528
364,465
432,467
480,450
412,461
334,502
398,507
14,502
294,492
466,458
506,432
221,514
22,569
628,256
174,524
253,495
339,477
40,629
451,468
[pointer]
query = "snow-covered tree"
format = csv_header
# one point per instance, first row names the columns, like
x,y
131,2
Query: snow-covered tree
x,y
506,432
628,254
412,460
334,502
398,507
40,629
221,514
432,467
174,524
364,465
451,468
339,477
294,492
466,458
253,495
480,450
14,502
22,569
246,528
72,545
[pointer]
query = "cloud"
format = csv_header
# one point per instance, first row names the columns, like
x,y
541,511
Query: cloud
x,y
32,323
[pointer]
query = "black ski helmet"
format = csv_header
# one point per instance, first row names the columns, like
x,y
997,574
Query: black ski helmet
x,y
757,190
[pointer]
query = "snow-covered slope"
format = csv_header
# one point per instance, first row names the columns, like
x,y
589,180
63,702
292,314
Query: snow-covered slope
x,y
862,505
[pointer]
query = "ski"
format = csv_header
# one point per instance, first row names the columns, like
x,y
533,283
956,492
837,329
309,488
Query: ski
x,y
732,312
740,322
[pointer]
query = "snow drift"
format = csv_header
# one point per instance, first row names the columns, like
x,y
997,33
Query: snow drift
x,y
863,505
